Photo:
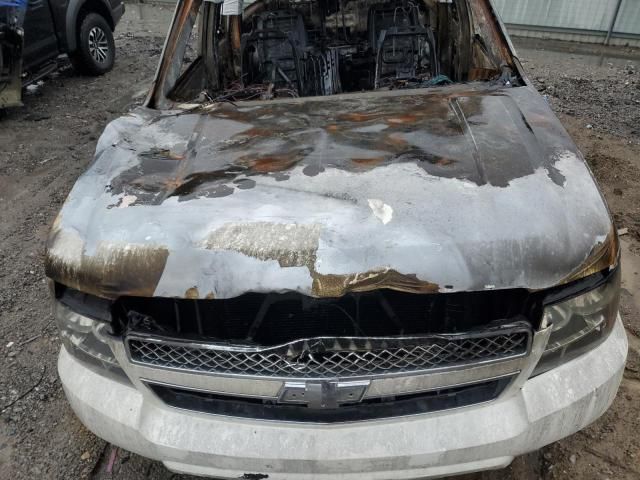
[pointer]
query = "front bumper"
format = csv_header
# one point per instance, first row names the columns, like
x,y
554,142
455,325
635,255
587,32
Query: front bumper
x,y
548,408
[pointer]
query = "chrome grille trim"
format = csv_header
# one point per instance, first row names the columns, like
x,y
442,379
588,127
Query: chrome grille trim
x,y
343,357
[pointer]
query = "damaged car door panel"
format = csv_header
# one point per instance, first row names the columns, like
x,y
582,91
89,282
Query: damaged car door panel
x,y
339,239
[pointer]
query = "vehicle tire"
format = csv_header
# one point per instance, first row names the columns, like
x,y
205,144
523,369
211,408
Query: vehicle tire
x,y
96,50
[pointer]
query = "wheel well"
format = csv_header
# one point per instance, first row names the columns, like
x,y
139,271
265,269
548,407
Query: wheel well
x,y
94,6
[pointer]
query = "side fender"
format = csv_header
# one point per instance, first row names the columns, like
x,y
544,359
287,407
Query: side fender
x,y
71,20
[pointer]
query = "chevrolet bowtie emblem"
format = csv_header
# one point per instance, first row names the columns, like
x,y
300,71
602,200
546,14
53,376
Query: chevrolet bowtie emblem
x,y
323,393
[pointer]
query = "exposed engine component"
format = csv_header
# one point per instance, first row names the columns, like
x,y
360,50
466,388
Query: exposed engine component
x,y
329,47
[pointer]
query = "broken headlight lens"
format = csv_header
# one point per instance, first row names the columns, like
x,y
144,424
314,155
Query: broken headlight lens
x,y
580,323
84,337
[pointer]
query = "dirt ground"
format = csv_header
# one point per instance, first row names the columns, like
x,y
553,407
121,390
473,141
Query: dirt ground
x,y
48,143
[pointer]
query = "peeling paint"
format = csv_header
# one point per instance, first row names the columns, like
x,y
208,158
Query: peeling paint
x,y
381,210
192,293
432,200
448,135
127,201
292,245
339,285
112,271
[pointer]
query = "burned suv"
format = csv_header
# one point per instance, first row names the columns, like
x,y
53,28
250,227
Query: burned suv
x,y
341,239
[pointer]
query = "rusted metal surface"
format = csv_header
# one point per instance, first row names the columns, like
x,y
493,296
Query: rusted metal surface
x,y
491,47
416,190
173,52
236,32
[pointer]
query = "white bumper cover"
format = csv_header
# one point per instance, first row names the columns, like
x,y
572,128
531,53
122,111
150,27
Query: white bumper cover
x,y
548,407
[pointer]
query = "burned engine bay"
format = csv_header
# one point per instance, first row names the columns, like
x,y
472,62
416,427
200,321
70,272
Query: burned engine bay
x,y
275,49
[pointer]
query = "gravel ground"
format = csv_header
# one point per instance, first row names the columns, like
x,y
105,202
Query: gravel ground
x,y
48,143
601,88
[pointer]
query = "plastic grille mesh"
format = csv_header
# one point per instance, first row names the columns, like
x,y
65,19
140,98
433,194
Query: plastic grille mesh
x,y
342,358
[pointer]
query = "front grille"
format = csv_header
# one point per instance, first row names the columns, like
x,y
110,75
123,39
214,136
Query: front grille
x,y
334,357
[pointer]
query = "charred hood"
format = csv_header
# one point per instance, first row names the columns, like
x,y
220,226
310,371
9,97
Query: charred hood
x,y
453,189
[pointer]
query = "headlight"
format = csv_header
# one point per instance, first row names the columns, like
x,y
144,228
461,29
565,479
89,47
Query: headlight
x,y
580,323
84,337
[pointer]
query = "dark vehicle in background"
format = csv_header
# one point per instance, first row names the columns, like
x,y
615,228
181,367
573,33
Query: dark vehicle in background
x,y
33,33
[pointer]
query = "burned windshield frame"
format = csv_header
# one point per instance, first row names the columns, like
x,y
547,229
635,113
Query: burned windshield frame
x,y
453,42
